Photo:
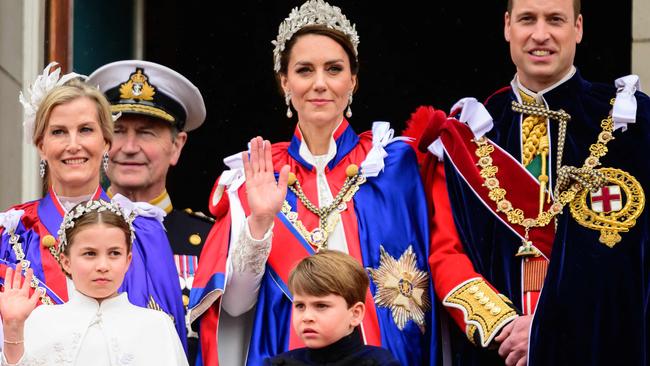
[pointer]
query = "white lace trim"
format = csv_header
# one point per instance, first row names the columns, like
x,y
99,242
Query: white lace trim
x,y
250,255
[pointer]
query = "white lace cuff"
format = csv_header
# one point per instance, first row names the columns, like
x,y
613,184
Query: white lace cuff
x,y
250,255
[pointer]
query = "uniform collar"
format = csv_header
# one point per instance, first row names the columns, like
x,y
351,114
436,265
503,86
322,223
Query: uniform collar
x,y
162,201
539,96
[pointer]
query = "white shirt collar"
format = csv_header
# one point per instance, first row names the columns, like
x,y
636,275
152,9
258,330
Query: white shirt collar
x,y
304,152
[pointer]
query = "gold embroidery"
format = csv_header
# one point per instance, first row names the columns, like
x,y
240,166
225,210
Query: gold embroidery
x,y
534,133
146,109
137,87
402,288
485,311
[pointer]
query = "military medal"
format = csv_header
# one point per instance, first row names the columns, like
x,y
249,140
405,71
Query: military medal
x,y
180,268
192,264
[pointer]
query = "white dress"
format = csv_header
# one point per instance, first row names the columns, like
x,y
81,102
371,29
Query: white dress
x,y
85,332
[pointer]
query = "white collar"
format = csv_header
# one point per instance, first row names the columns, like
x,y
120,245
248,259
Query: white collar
x,y
86,301
307,155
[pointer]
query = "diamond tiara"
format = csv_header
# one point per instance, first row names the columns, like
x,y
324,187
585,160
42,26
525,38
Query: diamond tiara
x,y
90,206
313,12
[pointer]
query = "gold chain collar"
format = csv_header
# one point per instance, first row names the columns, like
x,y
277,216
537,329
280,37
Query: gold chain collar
x,y
516,215
318,237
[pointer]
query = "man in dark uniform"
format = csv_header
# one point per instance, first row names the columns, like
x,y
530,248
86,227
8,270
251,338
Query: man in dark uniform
x,y
158,106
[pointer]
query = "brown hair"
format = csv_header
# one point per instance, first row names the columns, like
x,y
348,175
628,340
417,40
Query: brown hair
x,y
330,272
576,8
94,217
322,30
66,93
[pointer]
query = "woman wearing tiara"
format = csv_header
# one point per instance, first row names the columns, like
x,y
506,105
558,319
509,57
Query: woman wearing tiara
x,y
360,194
71,125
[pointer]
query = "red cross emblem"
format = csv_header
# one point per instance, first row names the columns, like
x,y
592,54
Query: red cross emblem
x,y
607,199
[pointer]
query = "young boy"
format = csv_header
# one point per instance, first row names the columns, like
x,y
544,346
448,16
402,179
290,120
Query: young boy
x,y
329,289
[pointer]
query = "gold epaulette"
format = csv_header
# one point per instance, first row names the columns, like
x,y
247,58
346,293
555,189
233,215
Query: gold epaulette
x,y
485,311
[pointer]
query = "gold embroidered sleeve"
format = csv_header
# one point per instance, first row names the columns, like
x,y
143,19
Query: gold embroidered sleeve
x,y
485,311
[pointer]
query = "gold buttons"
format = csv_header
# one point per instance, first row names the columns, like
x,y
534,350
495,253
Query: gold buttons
x,y
484,300
478,295
473,289
495,310
292,179
194,239
48,241
186,300
352,170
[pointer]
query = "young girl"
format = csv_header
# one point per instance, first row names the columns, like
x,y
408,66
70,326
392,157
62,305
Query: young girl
x,y
97,326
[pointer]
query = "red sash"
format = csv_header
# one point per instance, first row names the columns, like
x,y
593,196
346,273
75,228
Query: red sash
x,y
522,189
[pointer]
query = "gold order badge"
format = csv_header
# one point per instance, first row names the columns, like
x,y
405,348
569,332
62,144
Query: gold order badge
x,y
611,223
402,288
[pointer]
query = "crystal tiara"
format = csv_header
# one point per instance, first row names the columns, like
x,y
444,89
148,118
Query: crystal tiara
x,y
313,12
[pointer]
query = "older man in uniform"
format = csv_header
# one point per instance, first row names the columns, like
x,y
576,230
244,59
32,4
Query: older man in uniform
x,y
158,106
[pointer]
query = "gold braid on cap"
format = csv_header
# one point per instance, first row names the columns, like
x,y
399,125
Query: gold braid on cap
x,y
84,208
313,12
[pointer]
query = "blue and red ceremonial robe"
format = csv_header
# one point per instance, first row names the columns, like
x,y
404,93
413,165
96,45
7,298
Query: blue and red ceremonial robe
x,y
388,210
151,278
593,305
